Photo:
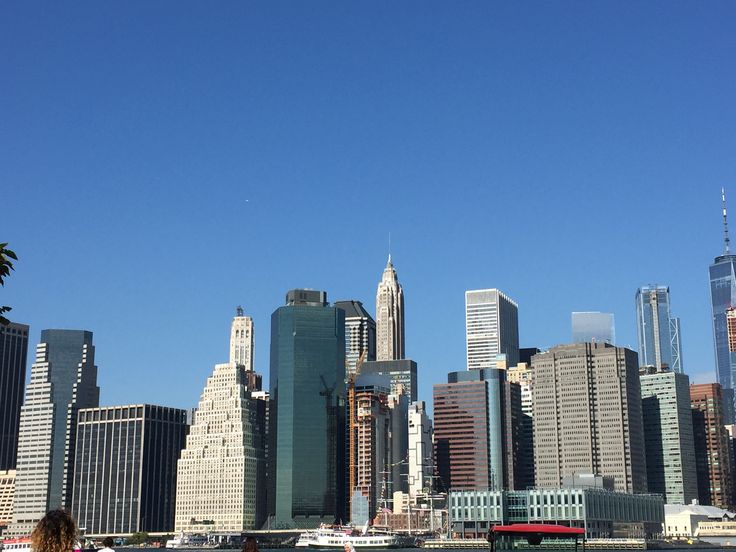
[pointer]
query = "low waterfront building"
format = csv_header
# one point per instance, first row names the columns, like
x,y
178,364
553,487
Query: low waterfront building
x,y
681,520
601,512
125,468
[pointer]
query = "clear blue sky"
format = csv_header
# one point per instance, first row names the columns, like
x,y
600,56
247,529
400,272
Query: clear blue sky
x,y
163,162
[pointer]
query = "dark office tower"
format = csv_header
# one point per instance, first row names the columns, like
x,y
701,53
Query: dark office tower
x,y
587,415
668,435
13,356
63,380
402,373
712,447
360,334
473,415
723,297
308,410
125,468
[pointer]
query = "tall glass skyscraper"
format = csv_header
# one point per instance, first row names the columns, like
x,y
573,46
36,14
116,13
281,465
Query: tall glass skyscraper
x,y
308,411
723,297
63,380
657,330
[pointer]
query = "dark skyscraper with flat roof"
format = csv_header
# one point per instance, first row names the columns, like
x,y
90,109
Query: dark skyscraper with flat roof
x,y
125,468
13,357
307,413
477,416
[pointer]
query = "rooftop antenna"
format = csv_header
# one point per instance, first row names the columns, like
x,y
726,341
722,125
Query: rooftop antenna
x,y
726,239
239,310
389,248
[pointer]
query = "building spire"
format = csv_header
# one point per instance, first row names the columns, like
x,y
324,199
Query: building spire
x,y
726,239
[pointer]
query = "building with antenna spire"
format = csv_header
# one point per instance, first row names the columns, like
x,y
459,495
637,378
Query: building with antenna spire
x,y
723,297
389,316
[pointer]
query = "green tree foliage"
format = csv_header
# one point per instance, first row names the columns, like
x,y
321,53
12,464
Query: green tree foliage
x,y
6,265
137,538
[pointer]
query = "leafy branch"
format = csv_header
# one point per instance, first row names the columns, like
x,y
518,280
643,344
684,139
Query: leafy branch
x,y
6,265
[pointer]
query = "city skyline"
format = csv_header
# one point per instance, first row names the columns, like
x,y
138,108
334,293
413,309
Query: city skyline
x,y
130,177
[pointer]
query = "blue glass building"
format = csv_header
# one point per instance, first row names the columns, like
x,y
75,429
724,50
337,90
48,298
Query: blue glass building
x,y
722,297
308,411
658,331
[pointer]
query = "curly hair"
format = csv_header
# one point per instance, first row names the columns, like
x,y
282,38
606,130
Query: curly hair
x,y
56,532
250,545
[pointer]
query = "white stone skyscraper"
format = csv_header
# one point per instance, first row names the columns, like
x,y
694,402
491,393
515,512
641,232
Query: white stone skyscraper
x,y
222,468
241,341
63,380
389,316
491,328
420,458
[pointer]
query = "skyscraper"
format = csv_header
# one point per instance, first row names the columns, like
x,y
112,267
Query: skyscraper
x,y
13,357
587,415
593,327
308,411
125,468
421,455
389,316
658,331
668,435
360,334
241,340
474,431
221,473
712,445
403,374
491,328
63,380
523,375
722,297
370,441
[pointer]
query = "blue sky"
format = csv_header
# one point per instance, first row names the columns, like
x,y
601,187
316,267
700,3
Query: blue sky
x,y
161,163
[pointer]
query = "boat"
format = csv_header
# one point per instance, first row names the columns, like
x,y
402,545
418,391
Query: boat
x,y
339,537
188,541
22,544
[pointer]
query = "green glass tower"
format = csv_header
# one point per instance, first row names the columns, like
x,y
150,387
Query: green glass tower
x,y
308,411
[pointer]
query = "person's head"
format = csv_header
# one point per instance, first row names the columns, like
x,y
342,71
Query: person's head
x,y
56,532
251,545
107,542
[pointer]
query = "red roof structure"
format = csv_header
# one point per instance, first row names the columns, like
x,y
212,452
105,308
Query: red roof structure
x,y
538,528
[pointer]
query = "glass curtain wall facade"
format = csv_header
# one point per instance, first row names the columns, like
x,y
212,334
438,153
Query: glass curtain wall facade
x,y
473,430
308,398
63,380
593,326
13,358
668,436
723,297
658,331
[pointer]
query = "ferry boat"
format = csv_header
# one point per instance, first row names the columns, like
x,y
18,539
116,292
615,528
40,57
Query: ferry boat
x,y
22,544
339,537
188,541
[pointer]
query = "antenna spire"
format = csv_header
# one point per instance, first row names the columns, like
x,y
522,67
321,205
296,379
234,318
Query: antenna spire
x,y
726,239
389,248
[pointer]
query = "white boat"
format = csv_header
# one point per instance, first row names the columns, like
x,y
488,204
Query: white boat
x,y
188,541
331,537
22,544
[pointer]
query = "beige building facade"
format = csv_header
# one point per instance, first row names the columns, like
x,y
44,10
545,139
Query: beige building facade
x,y
389,316
588,415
